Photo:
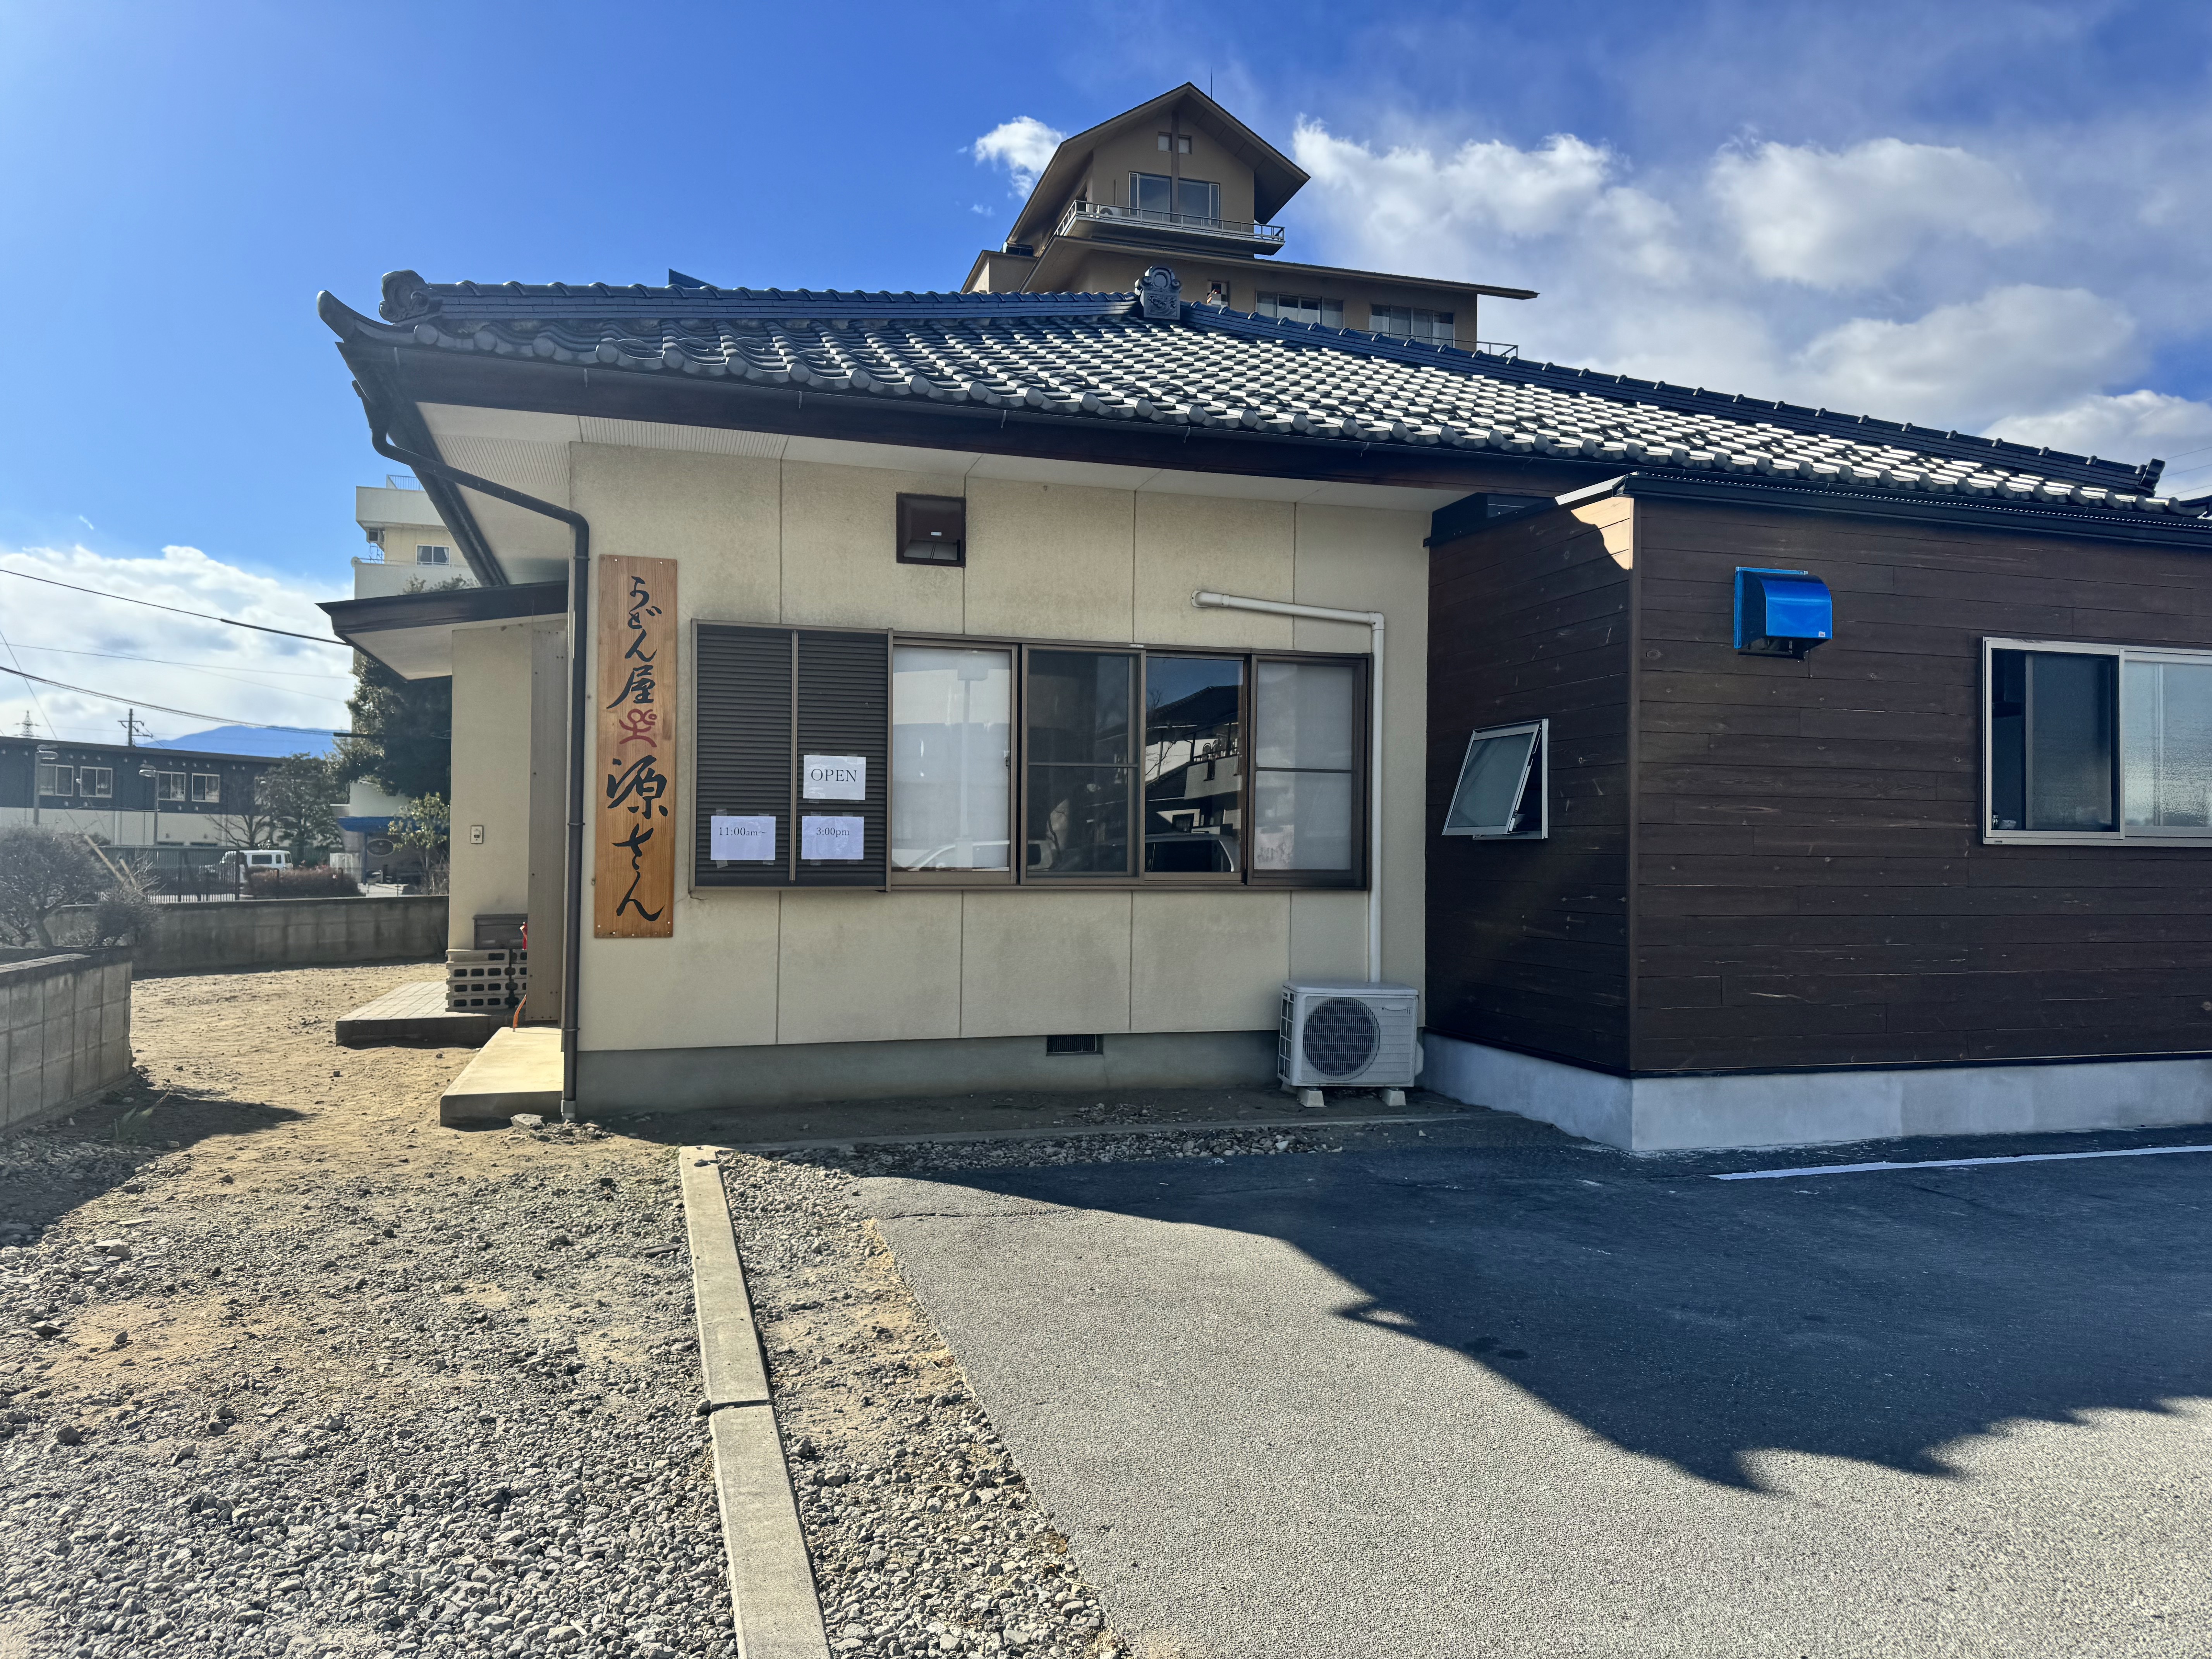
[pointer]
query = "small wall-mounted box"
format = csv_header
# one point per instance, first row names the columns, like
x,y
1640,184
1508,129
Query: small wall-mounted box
x,y
1781,613
933,529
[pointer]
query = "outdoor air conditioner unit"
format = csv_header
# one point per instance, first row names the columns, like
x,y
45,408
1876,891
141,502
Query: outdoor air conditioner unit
x,y
1348,1034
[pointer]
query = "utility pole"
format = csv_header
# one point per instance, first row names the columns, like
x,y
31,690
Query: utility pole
x,y
27,731
130,723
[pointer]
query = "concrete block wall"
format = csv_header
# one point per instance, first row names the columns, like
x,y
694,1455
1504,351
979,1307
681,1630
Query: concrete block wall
x,y
197,939
65,1031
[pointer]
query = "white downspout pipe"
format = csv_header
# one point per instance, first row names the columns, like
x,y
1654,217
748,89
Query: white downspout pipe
x,y
1371,620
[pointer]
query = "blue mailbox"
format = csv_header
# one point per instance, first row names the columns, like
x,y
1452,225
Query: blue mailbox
x,y
1781,613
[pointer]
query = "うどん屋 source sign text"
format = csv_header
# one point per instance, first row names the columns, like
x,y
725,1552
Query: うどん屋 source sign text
x,y
630,814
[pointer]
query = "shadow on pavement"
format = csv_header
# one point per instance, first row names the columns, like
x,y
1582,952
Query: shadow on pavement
x,y
1872,1317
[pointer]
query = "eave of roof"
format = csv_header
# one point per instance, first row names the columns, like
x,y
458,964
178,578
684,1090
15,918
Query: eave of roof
x,y
2028,517
1073,360
358,622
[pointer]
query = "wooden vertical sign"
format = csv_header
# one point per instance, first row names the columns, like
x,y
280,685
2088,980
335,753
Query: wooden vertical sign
x,y
630,812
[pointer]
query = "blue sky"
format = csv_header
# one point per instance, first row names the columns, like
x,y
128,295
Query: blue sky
x,y
1994,216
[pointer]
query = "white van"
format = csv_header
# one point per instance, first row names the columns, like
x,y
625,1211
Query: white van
x,y
255,858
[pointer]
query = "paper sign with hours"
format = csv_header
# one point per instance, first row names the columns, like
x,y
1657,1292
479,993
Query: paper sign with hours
x,y
834,777
742,840
830,838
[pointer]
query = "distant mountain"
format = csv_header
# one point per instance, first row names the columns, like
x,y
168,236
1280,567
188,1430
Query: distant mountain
x,y
257,741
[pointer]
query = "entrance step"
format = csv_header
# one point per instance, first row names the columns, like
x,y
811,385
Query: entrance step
x,y
416,1015
518,1070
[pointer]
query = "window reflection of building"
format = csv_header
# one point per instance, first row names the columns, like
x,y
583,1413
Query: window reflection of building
x,y
1194,771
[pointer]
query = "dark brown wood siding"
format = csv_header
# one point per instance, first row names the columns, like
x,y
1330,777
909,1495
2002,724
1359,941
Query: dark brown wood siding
x,y
1812,885
1527,941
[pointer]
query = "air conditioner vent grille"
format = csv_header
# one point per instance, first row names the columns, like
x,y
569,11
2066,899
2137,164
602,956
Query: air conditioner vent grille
x,y
1340,1038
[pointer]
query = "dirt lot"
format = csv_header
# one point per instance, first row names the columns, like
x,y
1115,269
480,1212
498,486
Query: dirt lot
x,y
287,1369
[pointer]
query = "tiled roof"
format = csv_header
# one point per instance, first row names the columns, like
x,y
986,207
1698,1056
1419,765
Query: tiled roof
x,y
1095,355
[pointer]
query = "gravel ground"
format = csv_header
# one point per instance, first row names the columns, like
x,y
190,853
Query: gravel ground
x,y
921,1529
287,1369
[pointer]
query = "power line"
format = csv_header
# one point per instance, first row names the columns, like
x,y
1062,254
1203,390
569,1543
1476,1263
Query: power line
x,y
140,702
204,615
252,685
176,662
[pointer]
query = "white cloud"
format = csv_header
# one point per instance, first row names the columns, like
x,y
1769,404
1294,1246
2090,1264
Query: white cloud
x,y
2132,426
1023,145
233,675
2014,347
1836,219
1749,270
1411,208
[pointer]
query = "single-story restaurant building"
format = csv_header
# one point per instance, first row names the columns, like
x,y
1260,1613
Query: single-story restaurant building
x,y
1014,691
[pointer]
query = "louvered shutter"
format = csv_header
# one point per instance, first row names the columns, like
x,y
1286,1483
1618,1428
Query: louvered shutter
x,y
844,708
767,697
745,762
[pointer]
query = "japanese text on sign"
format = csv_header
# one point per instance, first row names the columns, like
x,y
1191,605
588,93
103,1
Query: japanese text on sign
x,y
633,816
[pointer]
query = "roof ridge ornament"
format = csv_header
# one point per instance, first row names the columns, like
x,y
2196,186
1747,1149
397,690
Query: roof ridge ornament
x,y
1160,292
405,295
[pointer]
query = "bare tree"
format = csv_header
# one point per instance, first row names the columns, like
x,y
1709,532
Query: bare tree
x,y
43,870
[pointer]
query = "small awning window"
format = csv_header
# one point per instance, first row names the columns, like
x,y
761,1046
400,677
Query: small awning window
x,y
1501,790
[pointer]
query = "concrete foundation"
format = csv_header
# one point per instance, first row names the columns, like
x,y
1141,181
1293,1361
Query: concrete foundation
x,y
1798,1109
787,1074
65,1030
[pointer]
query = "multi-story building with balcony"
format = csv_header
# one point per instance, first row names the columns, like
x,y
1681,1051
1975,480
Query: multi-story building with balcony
x,y
1180,181
410,548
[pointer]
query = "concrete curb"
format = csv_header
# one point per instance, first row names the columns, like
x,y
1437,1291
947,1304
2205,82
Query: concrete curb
x,y
779,1616
1202,1127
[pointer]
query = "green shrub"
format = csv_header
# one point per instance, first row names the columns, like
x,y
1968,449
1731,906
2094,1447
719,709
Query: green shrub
x,y
321,881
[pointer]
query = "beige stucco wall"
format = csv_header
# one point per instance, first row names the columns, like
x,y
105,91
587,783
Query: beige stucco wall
x,y
491,775
806,542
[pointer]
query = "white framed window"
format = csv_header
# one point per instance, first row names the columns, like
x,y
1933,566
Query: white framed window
x,y
1504,790
951,757
54,782
1302,308
1408,322
207,786
168,785
427,553
2095,744
96,782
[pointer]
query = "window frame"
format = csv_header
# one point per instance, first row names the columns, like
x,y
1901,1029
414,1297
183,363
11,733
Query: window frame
x,y
107,783
1539,762
1448,320
212,796
162,782
2120,834
51,772
1271,304
1245,880
995,880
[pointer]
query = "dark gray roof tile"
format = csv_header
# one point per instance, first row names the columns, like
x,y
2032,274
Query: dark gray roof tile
x,y
1094,355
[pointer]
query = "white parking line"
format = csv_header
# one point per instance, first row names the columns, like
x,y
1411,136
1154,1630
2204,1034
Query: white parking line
x,y
1956,1162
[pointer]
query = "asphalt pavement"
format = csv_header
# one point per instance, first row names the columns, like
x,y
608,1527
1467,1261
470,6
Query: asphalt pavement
x,y
1556,1399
